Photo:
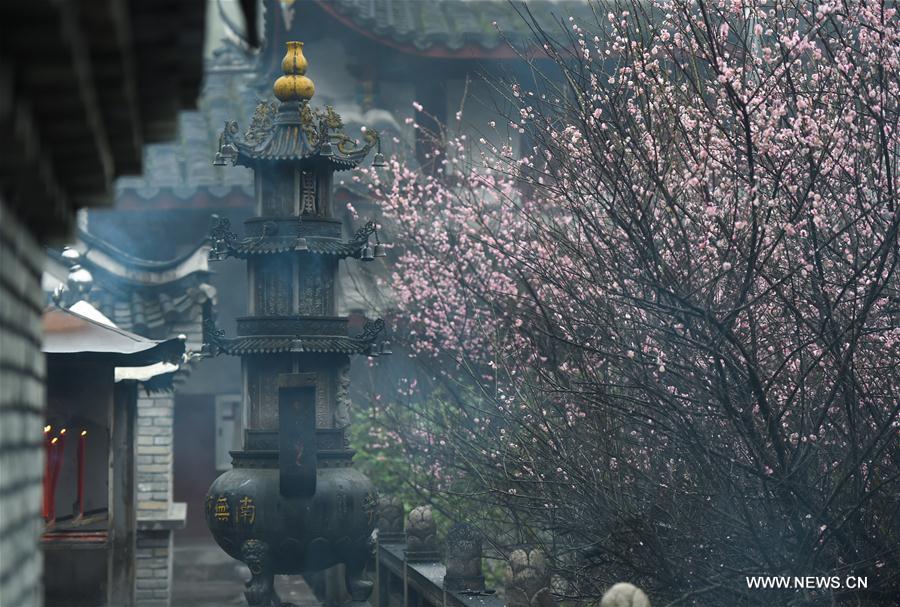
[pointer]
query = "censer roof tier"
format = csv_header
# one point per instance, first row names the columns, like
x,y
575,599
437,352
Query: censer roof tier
x,y
284,235
365,342
291,129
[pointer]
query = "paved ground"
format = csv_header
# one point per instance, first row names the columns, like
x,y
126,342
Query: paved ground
x,y
204,576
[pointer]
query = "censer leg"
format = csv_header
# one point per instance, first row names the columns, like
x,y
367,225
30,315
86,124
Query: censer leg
x,y
261,587
358,586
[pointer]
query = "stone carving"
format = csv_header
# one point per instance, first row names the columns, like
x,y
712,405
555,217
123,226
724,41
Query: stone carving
x,y
390,520
463,560
528,581
421,536
343,404
324,415
624,594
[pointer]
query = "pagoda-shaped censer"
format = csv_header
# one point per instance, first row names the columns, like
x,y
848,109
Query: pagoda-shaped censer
x,y
292,502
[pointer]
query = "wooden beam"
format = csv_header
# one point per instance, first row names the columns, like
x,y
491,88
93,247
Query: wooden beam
x,y
122,510
116,74
30,183
72,31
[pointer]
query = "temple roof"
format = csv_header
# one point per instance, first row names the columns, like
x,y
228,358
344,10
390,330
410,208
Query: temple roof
x,y
67,332
453,28
294,130
179,171
151,298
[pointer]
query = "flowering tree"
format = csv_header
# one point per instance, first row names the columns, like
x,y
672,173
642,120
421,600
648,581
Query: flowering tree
x,y
668,328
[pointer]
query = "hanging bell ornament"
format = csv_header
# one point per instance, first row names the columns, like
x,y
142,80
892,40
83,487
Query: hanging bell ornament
x,y
300,244
326,149
80,279
380,250
367,253
71,255
378,160
386,348
219,161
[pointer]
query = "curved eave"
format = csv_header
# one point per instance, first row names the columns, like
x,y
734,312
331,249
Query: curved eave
x,y
499,49
277,344
289,143
249,157
316,246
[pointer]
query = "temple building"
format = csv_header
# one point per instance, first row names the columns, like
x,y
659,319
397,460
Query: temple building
x,y
95,372
157,300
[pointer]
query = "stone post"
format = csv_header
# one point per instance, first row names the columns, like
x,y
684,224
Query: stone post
x,y
463,560
624,594
390,521
421,536
528,581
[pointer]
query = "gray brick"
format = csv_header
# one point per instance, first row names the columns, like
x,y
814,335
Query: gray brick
x,y
21,400
159,412
151,450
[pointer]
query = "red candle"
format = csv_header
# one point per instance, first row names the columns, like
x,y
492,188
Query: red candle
x,y
45,509
81,443
58,447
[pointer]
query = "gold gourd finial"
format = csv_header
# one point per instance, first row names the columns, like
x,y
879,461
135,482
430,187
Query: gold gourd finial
x,y
294,85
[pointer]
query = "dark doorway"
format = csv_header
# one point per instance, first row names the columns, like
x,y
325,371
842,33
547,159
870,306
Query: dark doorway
x,y
195,457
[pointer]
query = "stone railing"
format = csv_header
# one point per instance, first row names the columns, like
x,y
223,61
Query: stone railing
x,y
410,571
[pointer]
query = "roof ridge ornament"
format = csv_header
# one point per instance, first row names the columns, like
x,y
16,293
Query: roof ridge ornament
x,y
294,85
293,130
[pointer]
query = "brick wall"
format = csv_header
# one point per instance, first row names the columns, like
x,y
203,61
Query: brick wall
x,y
154,454
154,568
21,413
154,499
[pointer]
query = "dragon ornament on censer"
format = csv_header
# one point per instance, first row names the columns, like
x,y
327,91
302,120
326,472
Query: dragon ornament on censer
x,y
292,502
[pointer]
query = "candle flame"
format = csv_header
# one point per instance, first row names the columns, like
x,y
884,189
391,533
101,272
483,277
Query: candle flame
x,y
53,440
84,433
47,428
